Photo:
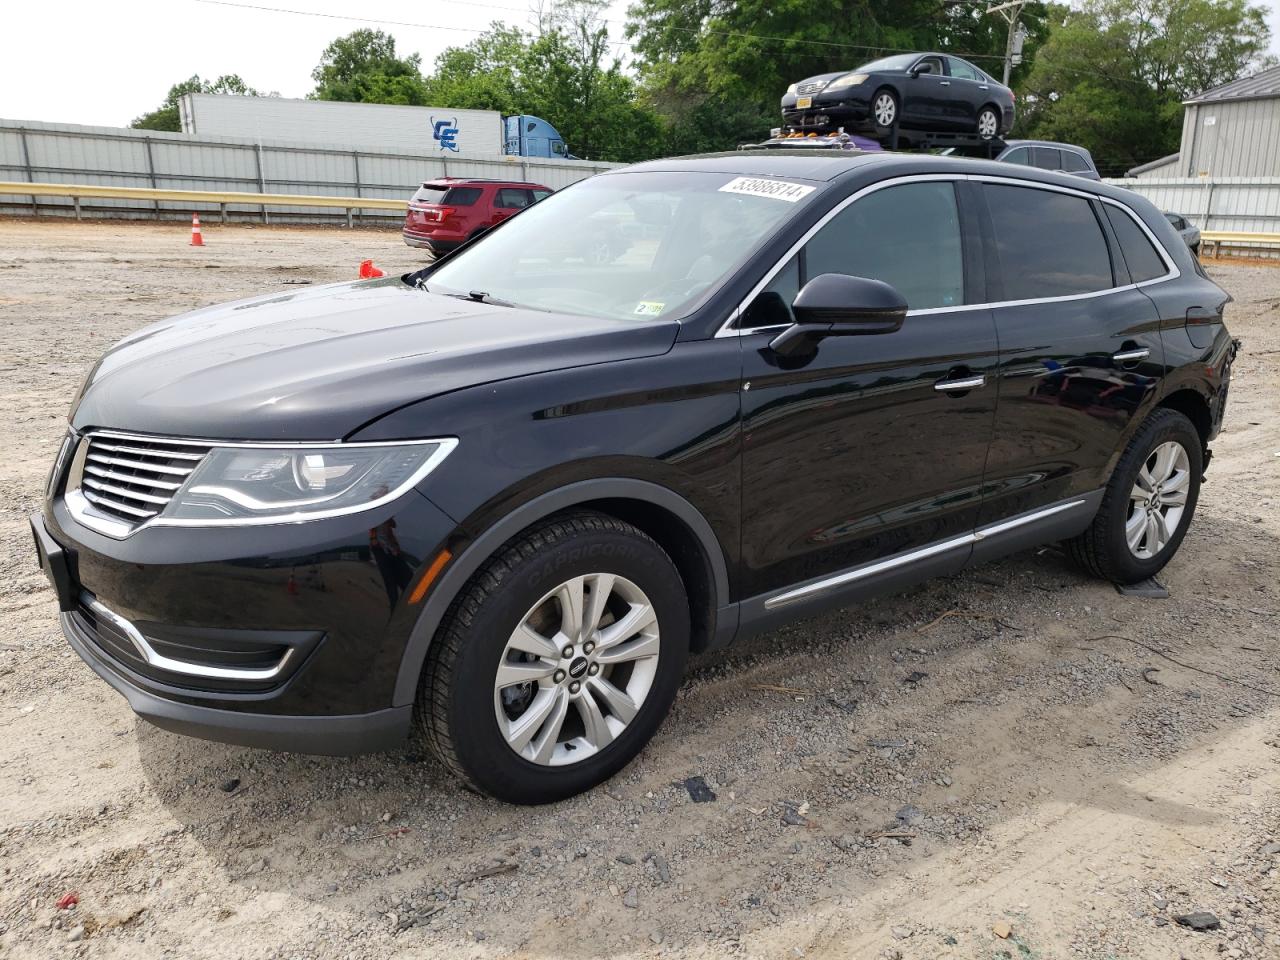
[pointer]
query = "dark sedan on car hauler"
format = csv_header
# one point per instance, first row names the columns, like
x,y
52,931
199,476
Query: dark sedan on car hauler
x,y
932,92
494,505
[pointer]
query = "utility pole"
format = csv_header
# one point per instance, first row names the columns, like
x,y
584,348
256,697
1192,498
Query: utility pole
x,y
1011,11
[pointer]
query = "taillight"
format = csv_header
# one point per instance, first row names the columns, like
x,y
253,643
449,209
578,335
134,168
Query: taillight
x,y
433,214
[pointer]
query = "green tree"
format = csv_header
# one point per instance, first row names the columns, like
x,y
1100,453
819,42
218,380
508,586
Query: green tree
x,y
563,72
165,116
1113,74
363,67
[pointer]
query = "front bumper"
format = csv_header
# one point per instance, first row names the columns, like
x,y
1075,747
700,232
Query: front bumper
x,y
314,598
850,111
330,736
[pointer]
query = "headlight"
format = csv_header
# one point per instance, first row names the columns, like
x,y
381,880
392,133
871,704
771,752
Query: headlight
x,y
248,484
791,89
848,80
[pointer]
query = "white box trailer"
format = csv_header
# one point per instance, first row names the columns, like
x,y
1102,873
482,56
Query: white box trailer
x,y
372,127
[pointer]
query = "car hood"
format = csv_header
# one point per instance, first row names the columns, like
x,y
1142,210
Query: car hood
x,y
320,363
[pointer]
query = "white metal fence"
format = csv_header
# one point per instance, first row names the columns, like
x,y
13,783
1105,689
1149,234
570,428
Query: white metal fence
x,y
111,156
1249,204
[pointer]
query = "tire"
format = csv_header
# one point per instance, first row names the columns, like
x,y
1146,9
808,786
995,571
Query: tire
x,y
1104,549
468,720
885,110
988,125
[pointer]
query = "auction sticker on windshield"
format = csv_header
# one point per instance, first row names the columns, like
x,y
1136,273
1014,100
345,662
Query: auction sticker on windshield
x,y
774,189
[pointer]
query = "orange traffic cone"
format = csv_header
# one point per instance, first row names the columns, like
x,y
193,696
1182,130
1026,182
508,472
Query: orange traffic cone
x,y
196,239
368,271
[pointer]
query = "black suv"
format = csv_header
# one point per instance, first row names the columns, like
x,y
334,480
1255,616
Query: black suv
x,y
495,504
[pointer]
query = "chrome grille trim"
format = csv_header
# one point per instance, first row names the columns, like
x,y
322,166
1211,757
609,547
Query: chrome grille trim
x,y
813,86
117,483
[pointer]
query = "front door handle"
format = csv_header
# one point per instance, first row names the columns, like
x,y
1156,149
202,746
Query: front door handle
x,y
1131,356
965,383
983,87
945,83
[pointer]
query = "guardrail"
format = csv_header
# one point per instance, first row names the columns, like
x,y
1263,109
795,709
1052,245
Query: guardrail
x,y
1216,239
76,191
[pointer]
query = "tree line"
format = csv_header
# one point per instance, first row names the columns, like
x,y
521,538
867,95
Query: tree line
x,y
1110,75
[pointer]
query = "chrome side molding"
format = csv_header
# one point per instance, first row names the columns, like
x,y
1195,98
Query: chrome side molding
x,y
819,587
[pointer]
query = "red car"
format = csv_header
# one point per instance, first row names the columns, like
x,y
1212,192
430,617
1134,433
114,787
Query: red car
x,y
445,213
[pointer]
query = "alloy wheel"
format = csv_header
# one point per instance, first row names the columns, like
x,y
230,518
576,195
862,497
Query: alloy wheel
x,y
1158,499
576,669
885,109
988,124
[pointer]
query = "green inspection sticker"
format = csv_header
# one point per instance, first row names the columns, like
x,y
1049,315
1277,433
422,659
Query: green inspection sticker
x,y
649,308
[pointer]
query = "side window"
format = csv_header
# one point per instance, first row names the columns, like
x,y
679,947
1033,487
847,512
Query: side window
x,y
1072,162
1049,244
513,198
932,65
1140,256
962,70
1047,158
908,236
1020,156
772,305
462,196
557,147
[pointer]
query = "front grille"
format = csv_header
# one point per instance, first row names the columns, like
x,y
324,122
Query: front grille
x,y
813,86
133,479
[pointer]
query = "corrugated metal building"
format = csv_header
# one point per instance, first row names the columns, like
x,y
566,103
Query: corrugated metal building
x,y
1229,131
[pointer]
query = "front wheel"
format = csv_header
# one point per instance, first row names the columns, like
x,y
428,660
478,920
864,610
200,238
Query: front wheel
x,y
884,110
558,662
1148,503
988,123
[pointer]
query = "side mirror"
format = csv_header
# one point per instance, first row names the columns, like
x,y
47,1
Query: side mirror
x,y
920,68
838,305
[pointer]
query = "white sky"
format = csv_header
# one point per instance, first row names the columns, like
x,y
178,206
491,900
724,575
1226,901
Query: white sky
x,y
104,62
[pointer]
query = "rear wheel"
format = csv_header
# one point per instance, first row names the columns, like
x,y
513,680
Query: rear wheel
x,y
1148,503
884,110
988,123
558,662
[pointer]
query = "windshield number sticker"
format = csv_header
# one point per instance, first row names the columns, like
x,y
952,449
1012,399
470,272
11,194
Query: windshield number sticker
x,y
649,308
773,189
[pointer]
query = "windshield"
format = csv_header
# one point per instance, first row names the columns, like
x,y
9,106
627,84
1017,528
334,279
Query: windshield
x,y
633,245
901,61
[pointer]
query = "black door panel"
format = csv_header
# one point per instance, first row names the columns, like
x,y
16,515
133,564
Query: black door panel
x,y
857,455
1065,400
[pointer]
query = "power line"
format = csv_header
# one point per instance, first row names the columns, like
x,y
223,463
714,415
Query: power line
x,y
629,43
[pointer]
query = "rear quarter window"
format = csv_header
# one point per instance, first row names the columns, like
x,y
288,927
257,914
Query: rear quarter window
x,y
1072,162
1049,244
462,196
1140,256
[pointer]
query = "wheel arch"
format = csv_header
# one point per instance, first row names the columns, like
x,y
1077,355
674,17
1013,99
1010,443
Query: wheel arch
x,y
671,520
1195,407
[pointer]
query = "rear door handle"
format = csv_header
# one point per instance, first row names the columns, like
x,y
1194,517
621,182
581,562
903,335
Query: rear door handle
x,y
1131,356
945,83
983,87
967,383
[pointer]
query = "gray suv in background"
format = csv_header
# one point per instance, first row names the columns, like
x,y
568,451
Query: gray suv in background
x,y
1047,155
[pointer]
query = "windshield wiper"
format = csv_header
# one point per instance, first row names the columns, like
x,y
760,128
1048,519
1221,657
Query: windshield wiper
x,y
479,296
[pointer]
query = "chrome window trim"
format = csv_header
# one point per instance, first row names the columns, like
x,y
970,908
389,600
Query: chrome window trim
x,y
727,329
182,667
819,587
81,510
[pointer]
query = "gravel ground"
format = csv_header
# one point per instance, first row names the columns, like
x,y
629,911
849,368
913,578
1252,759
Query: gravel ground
x,y
1013,763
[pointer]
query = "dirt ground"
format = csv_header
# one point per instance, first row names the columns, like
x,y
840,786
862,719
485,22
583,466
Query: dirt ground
x,y
1018,750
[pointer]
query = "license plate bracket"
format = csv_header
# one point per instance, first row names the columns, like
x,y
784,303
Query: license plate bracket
x,y
804,103
55,561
